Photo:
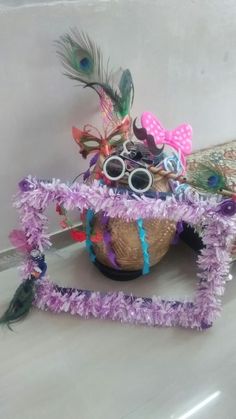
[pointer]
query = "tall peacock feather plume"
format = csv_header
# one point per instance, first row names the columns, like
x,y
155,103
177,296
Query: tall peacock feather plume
x,y
83,61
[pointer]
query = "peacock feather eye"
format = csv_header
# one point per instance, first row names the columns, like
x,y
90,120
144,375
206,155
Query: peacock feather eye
x,y
214,181
85,64
208,177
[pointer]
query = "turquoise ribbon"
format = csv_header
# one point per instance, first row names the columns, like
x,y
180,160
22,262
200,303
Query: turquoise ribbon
x,y
144,245
89,244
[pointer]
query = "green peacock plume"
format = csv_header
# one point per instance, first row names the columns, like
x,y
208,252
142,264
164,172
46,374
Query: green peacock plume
x,y
208,177
20,304
83,61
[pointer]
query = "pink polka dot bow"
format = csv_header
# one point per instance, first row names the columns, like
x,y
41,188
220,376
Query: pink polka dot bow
x,y
180,138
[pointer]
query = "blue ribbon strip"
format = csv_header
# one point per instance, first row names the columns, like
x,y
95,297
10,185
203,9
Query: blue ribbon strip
x,y
144,244
89,244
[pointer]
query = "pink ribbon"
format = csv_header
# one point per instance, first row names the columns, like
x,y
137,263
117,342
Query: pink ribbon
x,y
180,138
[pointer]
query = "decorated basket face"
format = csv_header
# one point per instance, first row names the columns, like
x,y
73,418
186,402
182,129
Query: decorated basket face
x,y
130,213
132,246
131,167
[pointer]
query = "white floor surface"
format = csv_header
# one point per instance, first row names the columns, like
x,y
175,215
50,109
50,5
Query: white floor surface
x,y
64,367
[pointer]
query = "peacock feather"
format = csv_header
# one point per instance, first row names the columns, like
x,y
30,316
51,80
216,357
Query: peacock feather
x,y
126,88
20,304
81,57
208,177
83,61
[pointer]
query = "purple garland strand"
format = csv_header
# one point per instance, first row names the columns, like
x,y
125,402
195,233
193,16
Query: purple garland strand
x,y
117,306
213,261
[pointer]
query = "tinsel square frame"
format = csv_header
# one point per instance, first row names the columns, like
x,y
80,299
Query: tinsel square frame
x,y
213,261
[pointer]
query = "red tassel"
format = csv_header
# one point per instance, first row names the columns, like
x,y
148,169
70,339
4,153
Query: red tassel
x,y
63,223
59,210
98,175
83,216
96,238
78,236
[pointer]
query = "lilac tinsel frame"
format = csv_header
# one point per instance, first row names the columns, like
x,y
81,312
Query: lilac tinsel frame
x,y
213,261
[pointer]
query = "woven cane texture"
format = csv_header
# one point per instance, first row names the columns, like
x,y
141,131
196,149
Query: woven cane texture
x,y
125,240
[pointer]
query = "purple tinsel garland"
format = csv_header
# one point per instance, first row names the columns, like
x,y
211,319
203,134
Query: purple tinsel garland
x,y
213,261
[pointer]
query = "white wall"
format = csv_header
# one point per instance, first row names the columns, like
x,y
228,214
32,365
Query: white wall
x,y
181,54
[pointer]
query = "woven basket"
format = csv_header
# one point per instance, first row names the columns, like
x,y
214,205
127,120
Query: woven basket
x,y
125,240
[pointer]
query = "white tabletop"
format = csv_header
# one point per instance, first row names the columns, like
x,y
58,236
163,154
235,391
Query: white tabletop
x,y
64,367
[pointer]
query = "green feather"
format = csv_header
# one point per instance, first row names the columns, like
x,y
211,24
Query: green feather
x,y
122,100
83,61
208,177
20,304
126,88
